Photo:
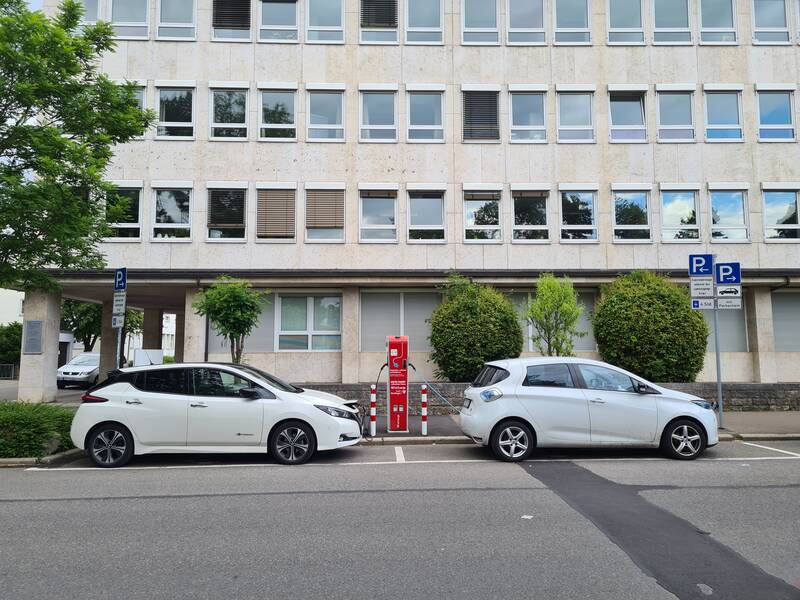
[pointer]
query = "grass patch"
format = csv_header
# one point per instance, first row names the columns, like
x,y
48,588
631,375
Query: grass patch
x,y
33,430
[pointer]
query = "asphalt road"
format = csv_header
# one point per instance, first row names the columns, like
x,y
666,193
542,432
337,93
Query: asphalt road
x,y
411,522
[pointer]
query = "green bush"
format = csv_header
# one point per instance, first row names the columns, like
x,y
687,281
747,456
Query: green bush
x,y
645,324
33,430
10,343
474,324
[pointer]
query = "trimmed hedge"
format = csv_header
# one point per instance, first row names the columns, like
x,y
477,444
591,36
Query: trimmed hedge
x,y
645,324
474,324
33,430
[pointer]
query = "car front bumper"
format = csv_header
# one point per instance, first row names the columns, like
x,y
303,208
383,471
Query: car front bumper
x,y
82,378
338,433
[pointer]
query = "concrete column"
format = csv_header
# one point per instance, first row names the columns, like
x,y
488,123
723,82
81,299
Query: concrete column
x,y
350,320
151,336
760,334
37,372
179,329
194,330
108,342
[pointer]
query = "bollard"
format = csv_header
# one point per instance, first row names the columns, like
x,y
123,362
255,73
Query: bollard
x,y
424,411
373,411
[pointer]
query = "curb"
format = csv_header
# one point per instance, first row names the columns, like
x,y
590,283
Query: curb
x,y
44,460
775,437
430,440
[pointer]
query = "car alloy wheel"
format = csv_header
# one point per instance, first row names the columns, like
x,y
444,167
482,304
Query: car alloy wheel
x,y
512,441
686,441
110,446
293,443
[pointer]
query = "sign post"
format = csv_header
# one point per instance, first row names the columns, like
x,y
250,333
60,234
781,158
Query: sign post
x,y
118,312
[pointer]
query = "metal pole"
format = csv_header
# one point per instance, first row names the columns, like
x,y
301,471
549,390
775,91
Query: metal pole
x,y
719,367
119,345
373,410
424,410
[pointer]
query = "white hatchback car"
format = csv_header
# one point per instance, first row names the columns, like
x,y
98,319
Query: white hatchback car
x,y
517,405
208,407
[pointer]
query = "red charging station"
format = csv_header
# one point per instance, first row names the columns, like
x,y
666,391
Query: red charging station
x,y
397,396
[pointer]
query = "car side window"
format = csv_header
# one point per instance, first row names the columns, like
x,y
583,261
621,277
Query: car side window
x,y
164,381
548,376
602,378
213,382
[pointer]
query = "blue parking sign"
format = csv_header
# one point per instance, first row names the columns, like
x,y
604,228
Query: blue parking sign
x,y
121,279
701,265
728,273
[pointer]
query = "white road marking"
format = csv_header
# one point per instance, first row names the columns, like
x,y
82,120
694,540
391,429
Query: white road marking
x,y
398,454
795,454
528,517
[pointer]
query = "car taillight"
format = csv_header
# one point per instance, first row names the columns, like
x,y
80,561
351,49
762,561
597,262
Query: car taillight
x,y
87,397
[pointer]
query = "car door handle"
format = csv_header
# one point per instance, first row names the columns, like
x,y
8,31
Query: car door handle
x,y
597,401
133,401
199,405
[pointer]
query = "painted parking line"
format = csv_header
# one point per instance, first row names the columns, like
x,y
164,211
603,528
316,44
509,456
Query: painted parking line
x,y
398,454
794,454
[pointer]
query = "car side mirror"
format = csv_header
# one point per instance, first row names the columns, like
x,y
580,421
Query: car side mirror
x,y
641,388
250,393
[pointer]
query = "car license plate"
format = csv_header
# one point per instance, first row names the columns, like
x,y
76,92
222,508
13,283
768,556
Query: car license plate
x,y
467,402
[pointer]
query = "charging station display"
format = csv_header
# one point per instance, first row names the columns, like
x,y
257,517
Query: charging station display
x,y
397,396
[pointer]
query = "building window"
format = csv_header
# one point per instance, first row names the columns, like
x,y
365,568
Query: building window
x,y
229,114
679,216
675,117
231,19
424,22
780,215
176,19
717,23
172,214
625,24
379,21
575,122
425,112
481,121
396,313
378,216
526,22
325,21
527,117
226,214
278,115
479,22
785,320
572,22
723,116
124,213
275,214
482,216
627,117
426,216
671,22
728,215
310,323
326,116
91,11
578,216
775,118
771,22
175,113
378,119
325,215
130,18
530,216
278,21
631,216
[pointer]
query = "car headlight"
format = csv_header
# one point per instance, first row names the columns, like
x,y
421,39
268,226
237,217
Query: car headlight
x,y
335,412
703,404
491,395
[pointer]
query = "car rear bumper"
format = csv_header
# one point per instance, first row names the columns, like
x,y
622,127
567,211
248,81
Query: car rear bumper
x,y
473,428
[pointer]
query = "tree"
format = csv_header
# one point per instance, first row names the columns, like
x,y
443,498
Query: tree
x,y
10,343
645,324
233,308
554,314
134,325
474,324
59,120
84,320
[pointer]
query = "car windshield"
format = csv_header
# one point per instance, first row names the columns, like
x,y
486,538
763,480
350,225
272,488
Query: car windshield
x,y
86,360
271,379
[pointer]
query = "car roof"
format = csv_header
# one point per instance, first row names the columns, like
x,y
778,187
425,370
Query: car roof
x,y
542,360
178,365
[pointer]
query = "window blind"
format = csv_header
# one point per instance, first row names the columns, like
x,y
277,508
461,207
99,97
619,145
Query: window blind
x,y
379,13
275,214
231,14
324,209
226,209
481,116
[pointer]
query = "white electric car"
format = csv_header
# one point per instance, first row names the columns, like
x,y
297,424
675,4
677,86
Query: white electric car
x,y
517,405
208,407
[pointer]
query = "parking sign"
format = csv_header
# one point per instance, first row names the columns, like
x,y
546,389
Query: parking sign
x,y
728,273
701,265
121,279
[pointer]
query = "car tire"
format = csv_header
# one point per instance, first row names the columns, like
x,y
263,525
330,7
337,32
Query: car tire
x,y
292,443
683,439
109,445
512,441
